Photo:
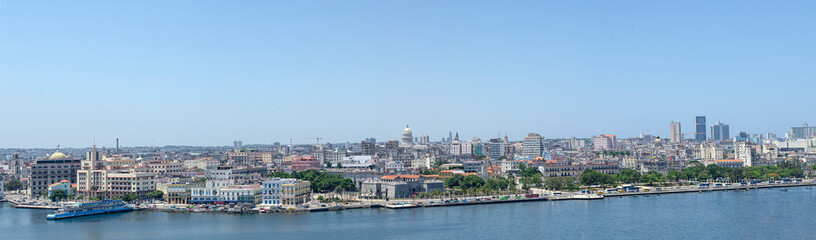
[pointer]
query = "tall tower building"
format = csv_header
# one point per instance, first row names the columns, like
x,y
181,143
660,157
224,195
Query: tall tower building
x,y
719,132
744,152
700,128
532,146
675,132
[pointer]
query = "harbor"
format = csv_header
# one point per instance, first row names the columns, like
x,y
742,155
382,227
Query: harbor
x,y
492,199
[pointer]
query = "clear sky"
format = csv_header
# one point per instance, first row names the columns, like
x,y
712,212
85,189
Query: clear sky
x,y
210,72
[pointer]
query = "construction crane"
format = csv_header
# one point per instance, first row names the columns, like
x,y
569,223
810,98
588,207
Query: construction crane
x,y
317,138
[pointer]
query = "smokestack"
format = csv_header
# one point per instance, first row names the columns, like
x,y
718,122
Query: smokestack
x,y
117,145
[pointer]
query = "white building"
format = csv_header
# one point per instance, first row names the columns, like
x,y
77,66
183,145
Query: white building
x,y
241,194
210,191
203,164
744,152
676,135
407,137
710,153
604,142
532,146
355,162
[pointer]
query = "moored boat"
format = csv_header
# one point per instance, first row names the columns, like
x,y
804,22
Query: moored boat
x,y
587,196
92,208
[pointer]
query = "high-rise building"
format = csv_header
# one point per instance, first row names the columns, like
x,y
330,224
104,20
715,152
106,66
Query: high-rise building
x,y
495,148
604,142
675,132
424,139
803,132
532,146
237,145
744,152
720,132
700,128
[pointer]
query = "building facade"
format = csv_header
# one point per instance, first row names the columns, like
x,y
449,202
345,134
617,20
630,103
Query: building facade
x,y
675,133
720,131
56,168
285,192
700,128
532,145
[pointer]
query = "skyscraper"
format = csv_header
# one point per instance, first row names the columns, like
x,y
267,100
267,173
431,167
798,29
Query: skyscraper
x,y
720,132
495,148
803,132
700,128
532,146
675,133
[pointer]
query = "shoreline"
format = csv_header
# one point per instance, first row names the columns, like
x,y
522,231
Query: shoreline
x,y
482,202
426,203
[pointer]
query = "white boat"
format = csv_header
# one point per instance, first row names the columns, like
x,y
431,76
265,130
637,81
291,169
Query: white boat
x,y
92,208
586,196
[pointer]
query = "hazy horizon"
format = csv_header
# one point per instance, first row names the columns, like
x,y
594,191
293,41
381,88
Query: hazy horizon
x,y
155,73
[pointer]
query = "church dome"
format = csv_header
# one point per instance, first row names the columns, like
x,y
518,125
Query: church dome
x,y
58,156
407,131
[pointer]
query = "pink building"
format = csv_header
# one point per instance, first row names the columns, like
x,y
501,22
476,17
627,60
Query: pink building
x,y
304,163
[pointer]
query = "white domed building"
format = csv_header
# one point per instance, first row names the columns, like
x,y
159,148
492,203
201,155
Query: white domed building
x,y
407,137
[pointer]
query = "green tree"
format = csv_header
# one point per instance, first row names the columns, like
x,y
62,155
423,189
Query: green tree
x,y
703,176
673,175
472,181
339,165
57,195
129,197
560,183
736,174
13,185
454,181
525,171
157,194
592,177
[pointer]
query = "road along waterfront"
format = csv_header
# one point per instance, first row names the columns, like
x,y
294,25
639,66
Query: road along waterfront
x,y
756,214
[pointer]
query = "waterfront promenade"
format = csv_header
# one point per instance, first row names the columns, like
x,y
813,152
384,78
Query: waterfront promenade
x,y
765,213
480,200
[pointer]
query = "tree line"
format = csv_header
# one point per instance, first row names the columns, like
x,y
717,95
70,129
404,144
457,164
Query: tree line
x,y
320,181
698,172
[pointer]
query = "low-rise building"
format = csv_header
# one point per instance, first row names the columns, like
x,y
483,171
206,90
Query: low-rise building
x,y
181,193
576,170
285,191
241,194
400,186
210,192
64,186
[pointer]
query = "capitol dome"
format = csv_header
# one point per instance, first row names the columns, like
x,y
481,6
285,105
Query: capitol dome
x,y
407,137
58,156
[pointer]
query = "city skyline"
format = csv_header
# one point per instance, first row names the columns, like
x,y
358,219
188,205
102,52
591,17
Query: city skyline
x,y
205,74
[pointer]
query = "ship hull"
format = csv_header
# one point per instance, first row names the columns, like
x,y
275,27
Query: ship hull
x,y
54,216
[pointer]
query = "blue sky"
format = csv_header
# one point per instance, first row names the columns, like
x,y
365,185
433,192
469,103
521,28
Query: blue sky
x,y
210,72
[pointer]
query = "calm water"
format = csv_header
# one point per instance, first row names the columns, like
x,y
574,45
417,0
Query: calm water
x,y
758,214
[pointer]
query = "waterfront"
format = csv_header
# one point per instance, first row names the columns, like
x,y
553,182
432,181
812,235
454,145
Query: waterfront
x,y
755,214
